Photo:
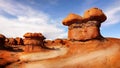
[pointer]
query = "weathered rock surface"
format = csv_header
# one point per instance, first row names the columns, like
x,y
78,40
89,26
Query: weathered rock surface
x,y
19,41
86,27
72,18
2,40
7,57
84,31
95,14
33,41
10,41
89,54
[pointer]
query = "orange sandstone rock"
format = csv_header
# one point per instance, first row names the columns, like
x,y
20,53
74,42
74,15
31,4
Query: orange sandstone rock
x,y
10,41
86,27
2,39
72,18
19,41
33,41
34,35
95,14
84,31
89,54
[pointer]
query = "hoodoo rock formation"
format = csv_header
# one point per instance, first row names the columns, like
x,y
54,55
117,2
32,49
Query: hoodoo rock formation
x,y
86,27
33,41
85,47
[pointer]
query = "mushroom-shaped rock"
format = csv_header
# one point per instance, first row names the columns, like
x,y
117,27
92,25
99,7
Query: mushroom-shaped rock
x,y
34,35
2,39
95,14
85,28
33,39
72,18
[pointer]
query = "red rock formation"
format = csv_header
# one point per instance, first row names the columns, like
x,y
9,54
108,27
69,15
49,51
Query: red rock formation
x,y
85,28
88,54
72,18
84,31
48,42
7,57
10,41
33,41
95,14
2,40
19,41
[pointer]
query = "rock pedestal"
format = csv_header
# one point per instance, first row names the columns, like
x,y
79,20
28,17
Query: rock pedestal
x,y
84,31
86,27
32,40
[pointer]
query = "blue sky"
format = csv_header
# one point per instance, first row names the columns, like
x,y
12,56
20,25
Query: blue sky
x,y
20,16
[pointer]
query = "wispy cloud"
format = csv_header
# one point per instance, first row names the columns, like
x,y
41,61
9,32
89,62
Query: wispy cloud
x,y
27,20
113,15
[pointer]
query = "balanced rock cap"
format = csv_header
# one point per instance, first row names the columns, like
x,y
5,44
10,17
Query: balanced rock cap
x,y
95,14
34,35
71,18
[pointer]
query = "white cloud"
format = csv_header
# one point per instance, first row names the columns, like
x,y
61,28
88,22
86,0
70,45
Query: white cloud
x,y
113,14
28,20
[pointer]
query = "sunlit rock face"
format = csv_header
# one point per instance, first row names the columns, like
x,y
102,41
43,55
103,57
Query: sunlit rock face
x,y
86,27
33,41
84,31
89,54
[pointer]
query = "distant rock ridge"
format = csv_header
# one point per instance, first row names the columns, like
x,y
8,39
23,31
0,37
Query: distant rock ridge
x,y
85,47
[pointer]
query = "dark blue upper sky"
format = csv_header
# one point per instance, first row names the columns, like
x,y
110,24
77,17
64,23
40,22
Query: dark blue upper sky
x,y
61,8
